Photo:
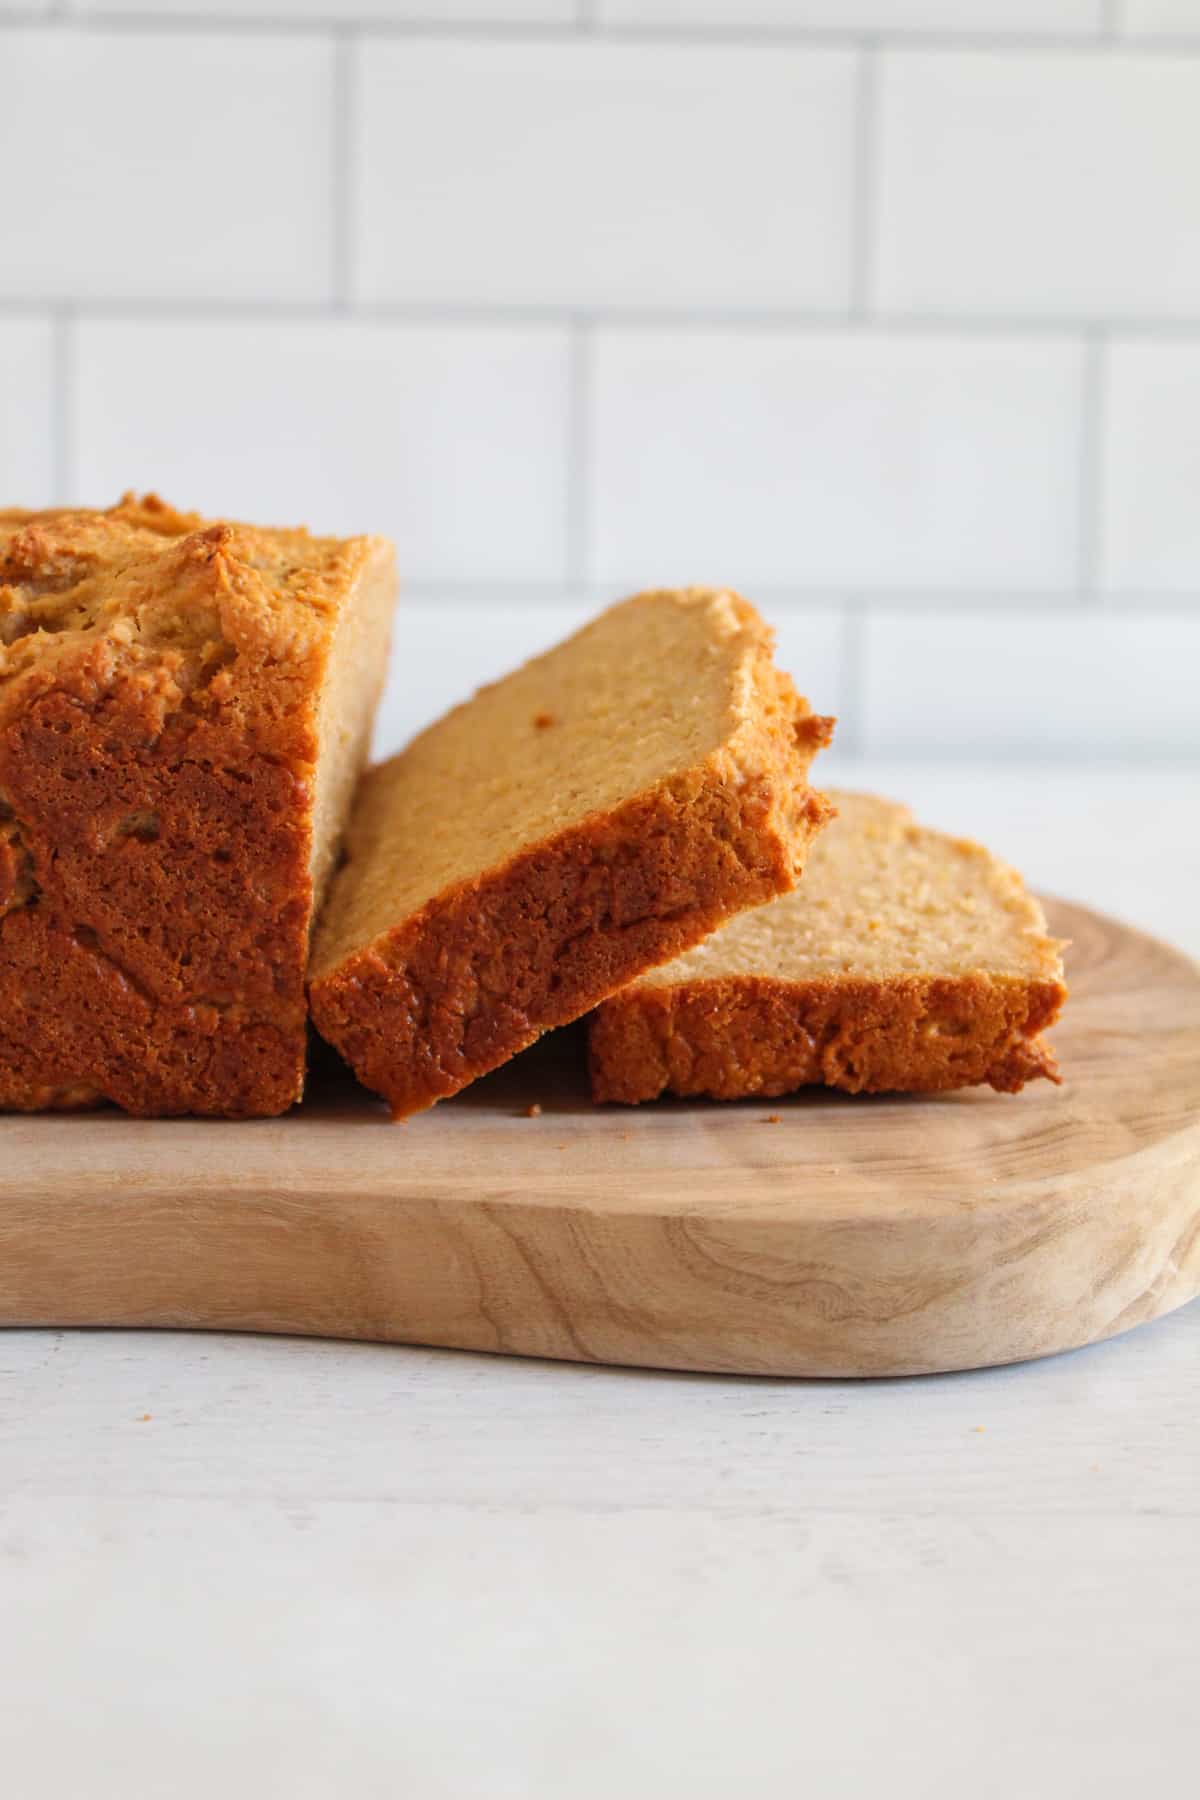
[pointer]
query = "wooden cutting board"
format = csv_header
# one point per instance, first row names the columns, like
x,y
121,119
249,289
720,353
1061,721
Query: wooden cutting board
x,y
820,1235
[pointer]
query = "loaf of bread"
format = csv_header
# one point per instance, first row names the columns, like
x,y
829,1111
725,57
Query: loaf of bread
x,y
185,709
906,960
588,817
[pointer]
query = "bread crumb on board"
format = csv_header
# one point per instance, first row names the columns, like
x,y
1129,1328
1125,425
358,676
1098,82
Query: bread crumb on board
x,y
532,1111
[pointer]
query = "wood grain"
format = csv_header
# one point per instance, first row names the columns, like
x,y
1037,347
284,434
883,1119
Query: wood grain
x,y
854,1237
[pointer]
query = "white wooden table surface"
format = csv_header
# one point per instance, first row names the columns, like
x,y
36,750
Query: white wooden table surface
x,y
254,1567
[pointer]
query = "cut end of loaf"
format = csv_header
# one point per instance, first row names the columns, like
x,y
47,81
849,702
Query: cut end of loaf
x,y
184,708
350,694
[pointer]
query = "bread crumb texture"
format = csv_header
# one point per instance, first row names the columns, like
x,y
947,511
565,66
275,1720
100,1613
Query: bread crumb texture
x,y
504,873
905,961
184,708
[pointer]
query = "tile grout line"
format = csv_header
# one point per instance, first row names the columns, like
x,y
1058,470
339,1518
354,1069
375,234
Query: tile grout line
x,y
62,458
341,180
1089,522
961,604
863,194
1107,39
579,401
454,315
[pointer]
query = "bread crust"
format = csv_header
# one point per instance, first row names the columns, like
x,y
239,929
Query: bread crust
x,y
159,682
741,1036
482,970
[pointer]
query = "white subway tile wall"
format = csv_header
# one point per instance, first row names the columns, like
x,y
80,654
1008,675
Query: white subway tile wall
x,y
593,174
998,16
1151,469
1014,184
148,166
342,12
1117,687
834,458
27,450
887,311
1160,18
451,438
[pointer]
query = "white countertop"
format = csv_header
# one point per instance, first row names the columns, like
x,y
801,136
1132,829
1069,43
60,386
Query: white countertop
x,y
275,1567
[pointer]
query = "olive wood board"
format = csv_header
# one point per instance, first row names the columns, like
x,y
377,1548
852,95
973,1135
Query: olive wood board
x,y
819,1235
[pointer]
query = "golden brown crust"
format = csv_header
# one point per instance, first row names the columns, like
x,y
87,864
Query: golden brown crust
x,y
482,970
159,682
744,1036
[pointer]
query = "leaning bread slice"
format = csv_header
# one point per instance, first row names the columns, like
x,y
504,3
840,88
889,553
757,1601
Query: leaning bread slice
x,y
593,814
906,960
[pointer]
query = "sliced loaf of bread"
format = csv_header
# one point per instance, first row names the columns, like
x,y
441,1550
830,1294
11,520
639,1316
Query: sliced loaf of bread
x,y
593,814
906,960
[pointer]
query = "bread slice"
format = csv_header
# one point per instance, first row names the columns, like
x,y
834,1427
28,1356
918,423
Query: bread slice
x,y
591,815
906,960
185,709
